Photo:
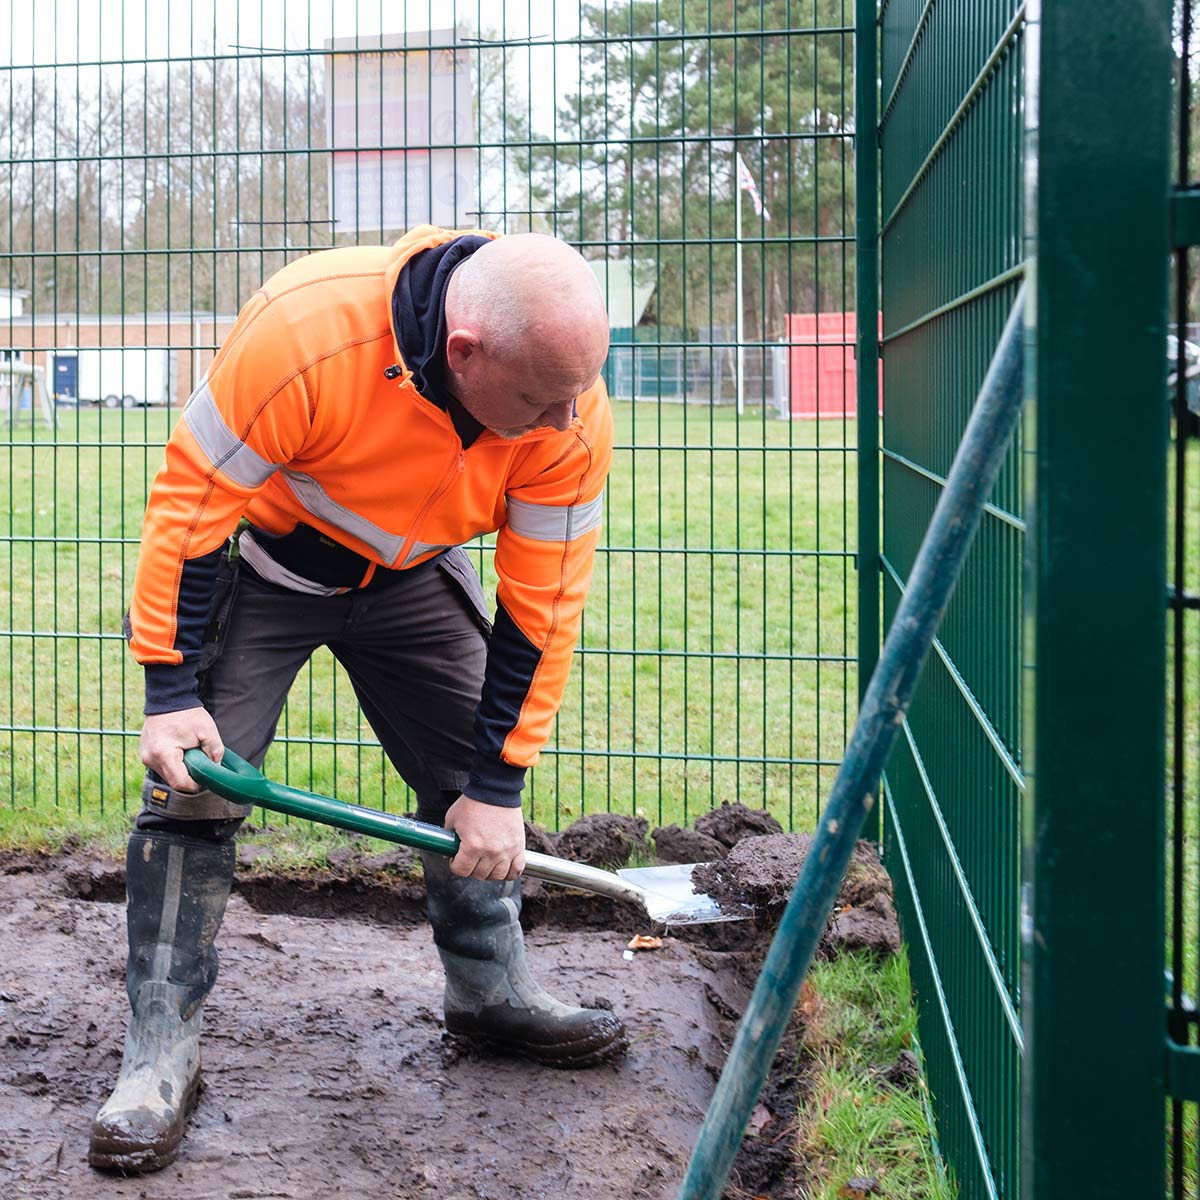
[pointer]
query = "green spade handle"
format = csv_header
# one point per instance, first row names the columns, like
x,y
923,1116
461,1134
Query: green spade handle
x,y
235,779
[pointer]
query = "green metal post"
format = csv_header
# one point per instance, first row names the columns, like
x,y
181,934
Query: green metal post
x,y
1093,1087
866,168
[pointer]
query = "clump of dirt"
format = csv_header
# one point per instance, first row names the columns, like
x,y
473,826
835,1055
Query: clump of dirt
x,y
540,840
603,840
870,926
352,859
390,862
905,1072
758,871
731,823
248,853
678,844
865,877
762,871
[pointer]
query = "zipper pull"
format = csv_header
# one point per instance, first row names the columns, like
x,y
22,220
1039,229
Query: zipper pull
x,y
393,372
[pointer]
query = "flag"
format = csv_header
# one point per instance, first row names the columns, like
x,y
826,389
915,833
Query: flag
x,y
746,180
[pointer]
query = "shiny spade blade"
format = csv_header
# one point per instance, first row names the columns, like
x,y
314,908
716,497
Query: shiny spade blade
x,y
670,900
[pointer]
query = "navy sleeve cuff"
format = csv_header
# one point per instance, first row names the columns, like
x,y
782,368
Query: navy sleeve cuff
x,y
170,688
495,782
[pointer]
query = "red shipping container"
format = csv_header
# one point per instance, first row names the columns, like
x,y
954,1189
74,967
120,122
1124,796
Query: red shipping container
x,y
824,378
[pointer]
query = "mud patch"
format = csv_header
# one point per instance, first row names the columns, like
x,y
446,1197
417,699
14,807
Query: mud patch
x,y
326,1068
540,840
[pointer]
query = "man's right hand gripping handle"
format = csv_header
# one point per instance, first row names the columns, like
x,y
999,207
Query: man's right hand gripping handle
x,y
165,736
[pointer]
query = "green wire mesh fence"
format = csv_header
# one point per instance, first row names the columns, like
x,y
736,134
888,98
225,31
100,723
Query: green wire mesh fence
x,y
951,224
158,162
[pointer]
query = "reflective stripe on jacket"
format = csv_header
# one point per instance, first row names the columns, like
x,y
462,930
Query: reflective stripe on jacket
x,y
296,422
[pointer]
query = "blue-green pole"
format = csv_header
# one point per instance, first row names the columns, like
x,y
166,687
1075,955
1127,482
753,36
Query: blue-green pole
x,y
983,448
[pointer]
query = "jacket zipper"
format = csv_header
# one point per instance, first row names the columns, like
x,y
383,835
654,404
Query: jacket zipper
x,y
457,467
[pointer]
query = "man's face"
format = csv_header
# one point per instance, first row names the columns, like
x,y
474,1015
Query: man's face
x,y
512,399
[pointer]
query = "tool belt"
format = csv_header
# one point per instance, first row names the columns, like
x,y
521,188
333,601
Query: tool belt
x,y
308,561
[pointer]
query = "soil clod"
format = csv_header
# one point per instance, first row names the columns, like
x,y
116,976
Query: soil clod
x,y
392,862
678,844
860,1187
905,1072
343,859
762,871
540,840
605,840
870,926
731,823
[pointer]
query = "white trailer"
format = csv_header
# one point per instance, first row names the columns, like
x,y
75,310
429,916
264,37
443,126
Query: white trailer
x,y
126,377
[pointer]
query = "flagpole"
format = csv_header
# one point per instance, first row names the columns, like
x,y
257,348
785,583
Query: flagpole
x,y
737,238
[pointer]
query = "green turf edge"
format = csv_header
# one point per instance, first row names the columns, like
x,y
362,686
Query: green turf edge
x,y
854,1123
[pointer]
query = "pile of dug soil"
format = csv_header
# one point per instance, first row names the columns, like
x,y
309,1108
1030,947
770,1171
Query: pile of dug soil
x,y
678,844
761,872
605,840
733,823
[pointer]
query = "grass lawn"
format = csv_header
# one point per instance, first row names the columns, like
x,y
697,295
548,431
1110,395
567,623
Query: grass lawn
x,y
858,1123
716,661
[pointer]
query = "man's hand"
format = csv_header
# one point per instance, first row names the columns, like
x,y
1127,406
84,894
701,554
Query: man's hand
x,y
492,840
165,736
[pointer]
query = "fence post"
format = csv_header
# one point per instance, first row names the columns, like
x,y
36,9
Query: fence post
x,y
866,169
1098,129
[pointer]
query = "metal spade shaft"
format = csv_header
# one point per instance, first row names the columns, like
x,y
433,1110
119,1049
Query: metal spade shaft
x,y
663,893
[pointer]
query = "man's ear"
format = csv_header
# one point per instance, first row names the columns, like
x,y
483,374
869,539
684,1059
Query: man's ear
x,y
461,346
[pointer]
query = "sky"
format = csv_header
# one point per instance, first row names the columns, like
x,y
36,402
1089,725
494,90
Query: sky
x,y
67,32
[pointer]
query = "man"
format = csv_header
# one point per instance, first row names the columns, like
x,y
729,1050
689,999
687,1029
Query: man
x,y
372,409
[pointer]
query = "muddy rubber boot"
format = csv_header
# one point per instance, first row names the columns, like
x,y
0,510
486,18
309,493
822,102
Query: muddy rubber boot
x,y
177,888
491,999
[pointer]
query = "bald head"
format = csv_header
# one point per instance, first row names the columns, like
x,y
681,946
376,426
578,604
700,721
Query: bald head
x,y
524,315
528,289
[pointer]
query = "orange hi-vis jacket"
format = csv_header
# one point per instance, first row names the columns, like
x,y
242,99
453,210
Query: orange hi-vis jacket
x,y
308,415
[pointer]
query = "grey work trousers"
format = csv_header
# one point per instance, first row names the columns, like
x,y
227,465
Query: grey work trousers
x,y
414,645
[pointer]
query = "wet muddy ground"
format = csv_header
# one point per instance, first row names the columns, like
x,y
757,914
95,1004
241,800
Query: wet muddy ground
x,y
327,1073
327,1070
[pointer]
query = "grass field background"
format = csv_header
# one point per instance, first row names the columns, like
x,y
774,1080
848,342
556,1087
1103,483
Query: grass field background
x,y
716,662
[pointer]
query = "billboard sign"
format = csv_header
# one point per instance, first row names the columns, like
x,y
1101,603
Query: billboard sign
x,y
399,119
